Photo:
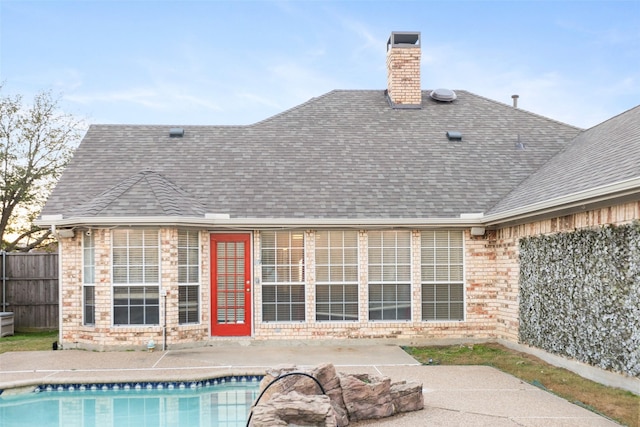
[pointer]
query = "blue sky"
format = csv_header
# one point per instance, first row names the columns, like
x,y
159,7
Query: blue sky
x,y
221,62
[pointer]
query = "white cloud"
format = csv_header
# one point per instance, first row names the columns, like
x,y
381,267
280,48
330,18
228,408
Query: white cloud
x,y
293,80
567,96
67,79
255,98
140,96
362,31
164,97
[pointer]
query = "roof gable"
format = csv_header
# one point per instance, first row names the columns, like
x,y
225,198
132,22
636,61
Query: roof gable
x,y
145,193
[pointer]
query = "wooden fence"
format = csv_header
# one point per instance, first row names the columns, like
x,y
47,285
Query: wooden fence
x,y
30,281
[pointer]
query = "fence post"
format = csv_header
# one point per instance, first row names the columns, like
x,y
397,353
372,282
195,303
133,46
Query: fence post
x,y
4,281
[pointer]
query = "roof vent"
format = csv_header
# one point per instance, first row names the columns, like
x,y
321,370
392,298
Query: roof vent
x,y
444,95
515,100
453,135
176,132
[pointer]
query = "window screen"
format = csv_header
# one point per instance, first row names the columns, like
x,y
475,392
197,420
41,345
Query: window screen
x,y
188,277
283,276
337,275
136,276
89,278
442,275
389,275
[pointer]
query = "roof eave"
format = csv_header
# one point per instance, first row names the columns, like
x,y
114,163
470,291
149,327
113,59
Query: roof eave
x,y
255,223
579,201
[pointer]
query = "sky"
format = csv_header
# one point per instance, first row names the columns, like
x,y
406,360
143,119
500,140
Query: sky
x,y
221,62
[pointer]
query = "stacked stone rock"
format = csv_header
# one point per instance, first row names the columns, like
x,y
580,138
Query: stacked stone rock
x,y
297,399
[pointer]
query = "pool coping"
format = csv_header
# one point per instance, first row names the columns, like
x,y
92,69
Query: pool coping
x,y
132,386
31,385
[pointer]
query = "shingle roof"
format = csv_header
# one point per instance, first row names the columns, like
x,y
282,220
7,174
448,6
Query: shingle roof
x,y
149,192
605,154
346,154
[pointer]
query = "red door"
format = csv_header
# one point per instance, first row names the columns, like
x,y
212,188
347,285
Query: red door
x,y
230,284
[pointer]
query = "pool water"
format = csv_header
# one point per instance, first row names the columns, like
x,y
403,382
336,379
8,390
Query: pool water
x,y
181,404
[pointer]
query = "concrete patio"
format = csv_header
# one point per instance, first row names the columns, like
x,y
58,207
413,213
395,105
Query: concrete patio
x,y
454,395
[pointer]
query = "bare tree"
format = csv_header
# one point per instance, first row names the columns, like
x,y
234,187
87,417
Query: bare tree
x,y
36,143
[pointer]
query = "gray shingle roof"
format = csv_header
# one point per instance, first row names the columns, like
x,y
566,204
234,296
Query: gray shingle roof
x,y
149,192
346,154
605,154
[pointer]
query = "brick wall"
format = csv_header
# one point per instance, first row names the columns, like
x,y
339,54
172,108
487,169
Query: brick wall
x,y
491,290
480,293
481,309
506,248
104,334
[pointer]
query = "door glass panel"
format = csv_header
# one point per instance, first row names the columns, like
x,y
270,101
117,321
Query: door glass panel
x,y
230,279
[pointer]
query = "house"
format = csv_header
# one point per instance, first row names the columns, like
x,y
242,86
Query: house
x,y
359,214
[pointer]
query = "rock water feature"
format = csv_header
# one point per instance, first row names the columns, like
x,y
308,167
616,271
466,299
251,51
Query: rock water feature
x,y
298,400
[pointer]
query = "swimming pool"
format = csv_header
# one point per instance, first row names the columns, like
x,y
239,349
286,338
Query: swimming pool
x,y
221,402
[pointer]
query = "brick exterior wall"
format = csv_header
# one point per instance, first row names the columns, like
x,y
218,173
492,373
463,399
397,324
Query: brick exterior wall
x,y
403,75
506,241
491,291
103,334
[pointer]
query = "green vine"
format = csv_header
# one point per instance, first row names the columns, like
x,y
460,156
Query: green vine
x,y
580,295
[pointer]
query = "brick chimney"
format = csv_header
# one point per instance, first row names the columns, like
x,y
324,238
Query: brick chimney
x,y
403,69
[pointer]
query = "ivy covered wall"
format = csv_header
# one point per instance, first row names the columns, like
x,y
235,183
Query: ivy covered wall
x,y
580,295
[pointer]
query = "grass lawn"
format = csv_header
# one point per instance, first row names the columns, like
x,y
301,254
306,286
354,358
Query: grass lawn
x,y
28,341
619,405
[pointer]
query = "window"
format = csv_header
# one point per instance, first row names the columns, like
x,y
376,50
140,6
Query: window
x,y
188,277
88,279
336,275
136,277
442,275
389,275
283,276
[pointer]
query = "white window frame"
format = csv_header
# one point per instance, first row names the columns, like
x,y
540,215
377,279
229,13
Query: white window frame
x,y
437,261
336,278
188,284
88,276
394,279
141,287
278,273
